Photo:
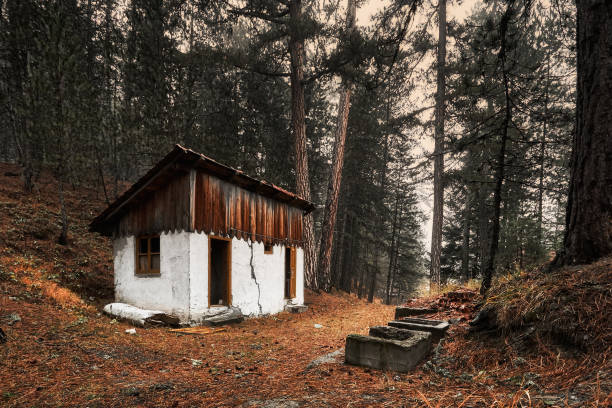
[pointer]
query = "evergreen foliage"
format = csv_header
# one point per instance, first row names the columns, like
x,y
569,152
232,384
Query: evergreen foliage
x,y
97,91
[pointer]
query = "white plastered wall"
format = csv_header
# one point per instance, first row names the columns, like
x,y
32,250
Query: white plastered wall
x,y
168,291
257,287
198,272
182,286
257,282
299,277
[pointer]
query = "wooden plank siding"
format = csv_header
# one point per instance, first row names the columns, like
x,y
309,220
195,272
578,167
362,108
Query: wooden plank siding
x,y
165,209
189,191
222,208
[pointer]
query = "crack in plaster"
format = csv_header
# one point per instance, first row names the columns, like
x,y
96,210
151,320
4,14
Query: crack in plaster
x,y
255,278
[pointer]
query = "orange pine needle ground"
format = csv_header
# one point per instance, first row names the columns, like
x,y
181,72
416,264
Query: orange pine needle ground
x,y
64,352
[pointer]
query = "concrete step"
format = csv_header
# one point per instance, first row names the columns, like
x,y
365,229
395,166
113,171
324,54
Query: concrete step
x,y
403,311
437,328
383,349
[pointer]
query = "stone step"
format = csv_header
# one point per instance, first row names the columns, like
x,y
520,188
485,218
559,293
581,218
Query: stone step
x,y
296,308
437,328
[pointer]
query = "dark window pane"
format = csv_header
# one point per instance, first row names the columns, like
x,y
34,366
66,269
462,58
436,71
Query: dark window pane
x,y
143,245
155,244
155,263
142,264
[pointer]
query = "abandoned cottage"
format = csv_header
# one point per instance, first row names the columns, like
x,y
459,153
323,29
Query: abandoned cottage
x,y
194,237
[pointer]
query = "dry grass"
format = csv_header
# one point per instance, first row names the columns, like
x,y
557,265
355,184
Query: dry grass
x,y
571,304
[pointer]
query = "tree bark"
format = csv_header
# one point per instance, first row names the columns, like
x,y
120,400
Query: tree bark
x,y
339,255
483,224
346,277
542,156
501,158
391,251
298,124
372,277
465,247
588,234
335,178
438,207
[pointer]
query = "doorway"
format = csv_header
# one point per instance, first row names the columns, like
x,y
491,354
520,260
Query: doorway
x,y
289,272
219,271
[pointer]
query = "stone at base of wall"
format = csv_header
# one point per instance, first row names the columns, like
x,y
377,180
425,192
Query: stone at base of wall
x,y
231,315
296,308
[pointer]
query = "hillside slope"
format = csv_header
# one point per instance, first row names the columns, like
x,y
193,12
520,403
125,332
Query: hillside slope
x,y
30,255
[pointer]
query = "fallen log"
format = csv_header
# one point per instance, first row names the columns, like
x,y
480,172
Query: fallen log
x,y
140,317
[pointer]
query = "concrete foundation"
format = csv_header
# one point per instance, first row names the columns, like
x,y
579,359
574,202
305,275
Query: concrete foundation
x,y
437,328
388,353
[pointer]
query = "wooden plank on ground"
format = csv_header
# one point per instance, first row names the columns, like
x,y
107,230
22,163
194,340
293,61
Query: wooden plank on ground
x,y
199,331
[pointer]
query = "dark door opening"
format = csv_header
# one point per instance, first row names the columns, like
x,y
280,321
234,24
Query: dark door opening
x,y
289,273
219,276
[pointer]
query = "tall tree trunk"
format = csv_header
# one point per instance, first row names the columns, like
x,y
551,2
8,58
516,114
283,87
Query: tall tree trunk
x,y
379,217
63,236
588,234
363,275
391,251
339,254
373,274
465,247
298,124
335,177
483,225
542,155
347,269
438,207
501,158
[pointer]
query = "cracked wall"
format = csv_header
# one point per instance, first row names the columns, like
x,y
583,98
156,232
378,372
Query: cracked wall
x,y
257,278
182,287
254,277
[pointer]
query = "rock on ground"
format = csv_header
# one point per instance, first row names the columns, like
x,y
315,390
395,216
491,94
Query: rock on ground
x,y
327,358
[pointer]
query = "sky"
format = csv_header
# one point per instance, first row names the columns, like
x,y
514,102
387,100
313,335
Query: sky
x,y
457,10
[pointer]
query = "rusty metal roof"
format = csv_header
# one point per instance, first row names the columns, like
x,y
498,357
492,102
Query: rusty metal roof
x,y
181,159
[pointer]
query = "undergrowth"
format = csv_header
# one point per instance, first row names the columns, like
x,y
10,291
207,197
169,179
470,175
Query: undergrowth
x,y
571,305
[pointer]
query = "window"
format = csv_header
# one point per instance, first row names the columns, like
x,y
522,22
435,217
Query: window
x,y
147,257
268,249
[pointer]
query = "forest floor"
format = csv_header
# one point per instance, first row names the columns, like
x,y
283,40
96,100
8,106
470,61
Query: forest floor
x,y
61,351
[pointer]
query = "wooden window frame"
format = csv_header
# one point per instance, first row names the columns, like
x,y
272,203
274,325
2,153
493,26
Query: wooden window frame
x,y
268,249
148,271
229,269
